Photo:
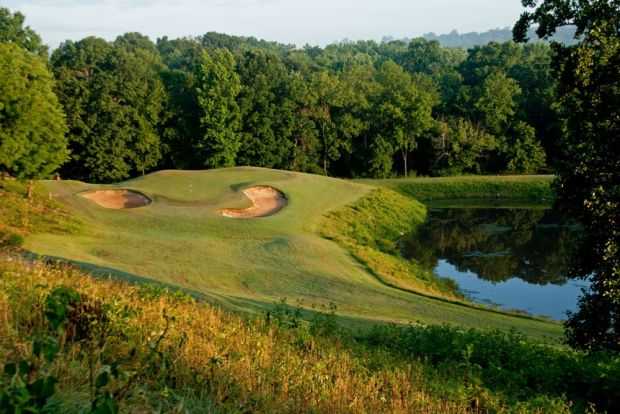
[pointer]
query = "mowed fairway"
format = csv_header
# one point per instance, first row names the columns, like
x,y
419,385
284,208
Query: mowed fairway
x,y
181,239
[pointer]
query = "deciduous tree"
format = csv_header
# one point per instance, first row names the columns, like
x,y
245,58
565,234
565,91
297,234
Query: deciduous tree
x,y
113,97
218,86
12,30
32,124
589,165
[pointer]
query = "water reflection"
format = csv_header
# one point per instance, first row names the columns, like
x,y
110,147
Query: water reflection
x,y
501,255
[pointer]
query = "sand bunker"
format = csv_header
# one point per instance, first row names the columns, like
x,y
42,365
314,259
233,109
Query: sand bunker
x,y
118,199
266,201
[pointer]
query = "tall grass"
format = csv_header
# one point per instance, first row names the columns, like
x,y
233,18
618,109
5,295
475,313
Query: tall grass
x,y
20,216
208,360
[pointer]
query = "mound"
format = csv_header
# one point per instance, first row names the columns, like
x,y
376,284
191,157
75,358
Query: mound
x,y
266,201
118,199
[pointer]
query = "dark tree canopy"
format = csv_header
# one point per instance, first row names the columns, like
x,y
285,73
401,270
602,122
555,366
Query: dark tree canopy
x,y
113,97
589,164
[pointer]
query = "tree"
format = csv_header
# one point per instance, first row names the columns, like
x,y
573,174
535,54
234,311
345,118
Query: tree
x,y
180,124
461,147
114,99
522,151
267,111
430,58
217,88
496,102
32,124
588,185
324,95
12,30
403,108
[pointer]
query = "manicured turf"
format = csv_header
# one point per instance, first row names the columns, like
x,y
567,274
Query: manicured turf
x,y
536,188
181,240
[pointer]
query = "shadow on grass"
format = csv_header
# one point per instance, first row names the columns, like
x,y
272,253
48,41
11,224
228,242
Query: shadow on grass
x,y
241,306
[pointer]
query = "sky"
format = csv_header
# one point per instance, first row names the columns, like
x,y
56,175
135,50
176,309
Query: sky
x,y
315,22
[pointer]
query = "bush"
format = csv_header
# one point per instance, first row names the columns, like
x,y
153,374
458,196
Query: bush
x,y
11,240
509,363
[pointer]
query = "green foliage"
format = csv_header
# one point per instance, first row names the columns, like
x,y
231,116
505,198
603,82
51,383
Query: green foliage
x,y
461,147
32,125
113,98
325,97
12,30
356,109
217,88
403,109
588,183
267,111
496,102
508,363
523,153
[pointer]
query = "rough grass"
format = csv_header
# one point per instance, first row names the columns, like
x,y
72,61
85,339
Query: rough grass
x,y
209,360
20,216
535,188
180,240
371,229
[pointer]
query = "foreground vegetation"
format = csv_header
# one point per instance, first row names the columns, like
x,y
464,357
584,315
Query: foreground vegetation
x,y
99,345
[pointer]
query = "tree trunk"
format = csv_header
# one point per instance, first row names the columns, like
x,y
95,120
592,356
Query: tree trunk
x,y
30,189
405,163
324,148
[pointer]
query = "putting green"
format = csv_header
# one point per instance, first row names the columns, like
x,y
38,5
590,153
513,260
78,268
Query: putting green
x,y
182,239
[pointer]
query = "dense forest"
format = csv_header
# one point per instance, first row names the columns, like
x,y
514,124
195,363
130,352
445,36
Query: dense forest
x,y
352,109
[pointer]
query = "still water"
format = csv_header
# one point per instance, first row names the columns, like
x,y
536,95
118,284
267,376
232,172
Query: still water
x,y
515,258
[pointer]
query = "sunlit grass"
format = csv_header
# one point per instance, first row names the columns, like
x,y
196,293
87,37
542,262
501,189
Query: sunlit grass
x,y
533,188
219,362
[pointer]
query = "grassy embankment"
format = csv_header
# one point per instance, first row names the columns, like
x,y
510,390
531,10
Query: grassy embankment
x,y
530,188
181,240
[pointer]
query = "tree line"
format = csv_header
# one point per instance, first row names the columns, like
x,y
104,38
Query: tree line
x,y
355,109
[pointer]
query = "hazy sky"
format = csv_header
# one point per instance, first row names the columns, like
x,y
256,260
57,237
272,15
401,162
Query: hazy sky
x,y
288,21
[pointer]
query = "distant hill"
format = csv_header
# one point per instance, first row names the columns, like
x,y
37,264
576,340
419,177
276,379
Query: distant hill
x,y
466,40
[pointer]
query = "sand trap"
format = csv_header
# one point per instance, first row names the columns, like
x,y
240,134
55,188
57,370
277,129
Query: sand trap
x,y
118,199
266,201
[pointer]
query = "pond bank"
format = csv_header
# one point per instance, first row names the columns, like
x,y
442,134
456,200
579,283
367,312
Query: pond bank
x,y
534,188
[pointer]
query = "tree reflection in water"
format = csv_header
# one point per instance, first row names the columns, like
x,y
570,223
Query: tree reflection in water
x,y
496,243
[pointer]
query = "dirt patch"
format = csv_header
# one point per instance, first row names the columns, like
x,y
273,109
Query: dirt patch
x,y
266,201
118,199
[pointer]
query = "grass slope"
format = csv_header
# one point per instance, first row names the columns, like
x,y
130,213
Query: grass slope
x,y
156,351
536,188
181,240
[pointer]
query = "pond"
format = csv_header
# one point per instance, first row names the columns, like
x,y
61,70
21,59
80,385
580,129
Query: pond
x,y
513,257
